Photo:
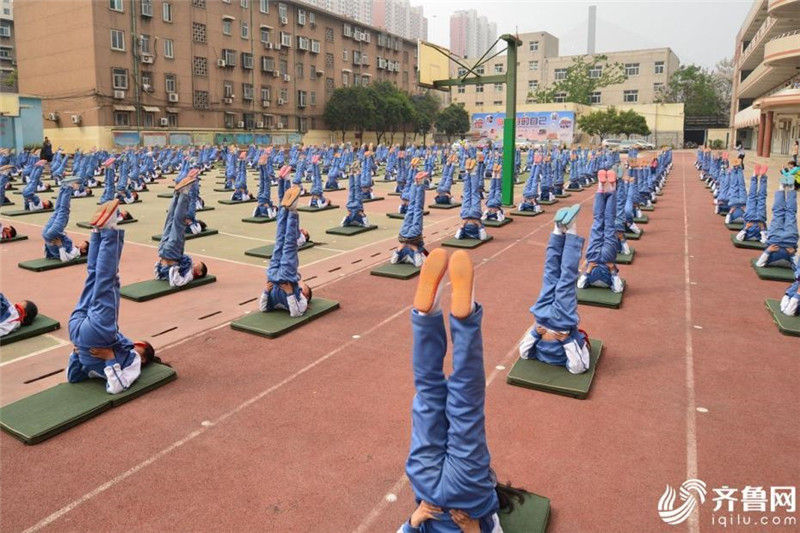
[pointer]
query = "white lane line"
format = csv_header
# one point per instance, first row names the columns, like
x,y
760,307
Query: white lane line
x,y
61,343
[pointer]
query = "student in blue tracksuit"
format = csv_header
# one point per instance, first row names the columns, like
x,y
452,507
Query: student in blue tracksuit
x,y
230,167
448,462
57,244
5,178
285,289
790,302
738,195
31,200
782,234
531,190
173,264
101,351
494,202
443,195
14,316
318,199
334,172
471,224
355,205
240,193
554,337
755,213
600,269
265,207
411,247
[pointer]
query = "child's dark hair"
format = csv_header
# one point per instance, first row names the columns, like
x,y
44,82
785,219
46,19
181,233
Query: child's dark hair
x,y
12,231
149,354
507,496
203,270
30,312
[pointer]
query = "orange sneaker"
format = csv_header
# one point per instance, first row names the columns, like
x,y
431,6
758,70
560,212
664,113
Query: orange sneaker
x,y
462,277
290,197
103,215
190,178
430,276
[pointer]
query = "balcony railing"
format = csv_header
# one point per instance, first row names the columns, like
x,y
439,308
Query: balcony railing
x,y
765,27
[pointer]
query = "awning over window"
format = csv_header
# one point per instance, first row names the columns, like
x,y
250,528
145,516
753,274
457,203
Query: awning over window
x,y
151,109
172,110
124,108
747,118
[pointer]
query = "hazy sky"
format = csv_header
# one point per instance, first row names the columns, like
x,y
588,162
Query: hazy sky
x,y
698,32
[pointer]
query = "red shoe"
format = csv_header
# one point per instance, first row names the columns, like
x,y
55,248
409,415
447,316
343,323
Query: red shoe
x,y
601,176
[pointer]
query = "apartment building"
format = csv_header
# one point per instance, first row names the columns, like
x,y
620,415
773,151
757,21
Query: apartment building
x,y
540,66
765,107
124,71
471,34
400,18
8,59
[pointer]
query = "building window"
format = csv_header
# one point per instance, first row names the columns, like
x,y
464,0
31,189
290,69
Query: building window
x,y
115,5
461,89
299,71
200,66
227,89
144,44
286,39
266,94
631,69
230,120
172,119
344,55
283,12
480,71
245,4
479,103
249,120
596,71
263,6
247,60
265,34
149,119
479,88
312,98
118,40
247,91
170,83
533,85
119,79
498,68
329,35
200,99
5,30
227,26
533,46
498,87
659,67
329,85
594,98
560,97
166,12
245,30
497,102
147,81
122,118
328,60
267,64
345,79
315,46
658,88
198,32
301,98
630,96
169,49
301,17
229,56
199,3
284,95
283,67
462,72
561,74
533,65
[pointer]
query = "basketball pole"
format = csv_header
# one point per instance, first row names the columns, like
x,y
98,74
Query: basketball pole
x,y
510,123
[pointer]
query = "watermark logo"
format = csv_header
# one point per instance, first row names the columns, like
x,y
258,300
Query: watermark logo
x,y
692,493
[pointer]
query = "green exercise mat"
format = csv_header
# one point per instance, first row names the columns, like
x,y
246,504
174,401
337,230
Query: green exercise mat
x,y
547,202
258,220
7,202
265,252
123,204
445,206
769,273
465,243
41,324
647,208
236,202
189,236
86,225
750,245
156,288
626,259
518,213
204,208
15,238
52,411
601,297
735,226
309,209
349,231
276,323
788,325
43,264
570,189
530,516
644,219
23,212
497,223
223,189
400,216
164,195
631,236
534,374
368,200
397,271
563,195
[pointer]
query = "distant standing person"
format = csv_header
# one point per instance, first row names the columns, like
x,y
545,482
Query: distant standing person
x,y
795,150
47,151
740,150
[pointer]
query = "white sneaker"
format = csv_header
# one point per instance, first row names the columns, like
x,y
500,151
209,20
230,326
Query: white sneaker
x,y
526,344
617,285
789,305
763,237
263,301
501,216
482,235
418,259
625,248
294,307
728,218
577,361
634,228
741,235
762,259
582,281
395,257
344,219
459,232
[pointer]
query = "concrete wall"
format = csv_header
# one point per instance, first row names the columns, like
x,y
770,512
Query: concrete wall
x,y
21,121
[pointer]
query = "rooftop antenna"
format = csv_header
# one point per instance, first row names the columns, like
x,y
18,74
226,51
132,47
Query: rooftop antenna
x,y
592,33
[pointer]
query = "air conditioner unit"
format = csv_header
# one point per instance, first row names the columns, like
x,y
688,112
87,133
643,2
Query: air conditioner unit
x,y
119,95
279,125
52,116
284,20
268,46
172,97
146,87
277,46
319,73
281,101
221,63
76,119
259,124
286,77
276,73
240,124
147,58
164,121
227,100
264,103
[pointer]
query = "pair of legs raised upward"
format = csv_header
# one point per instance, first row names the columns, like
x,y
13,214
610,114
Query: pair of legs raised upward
x,y
471,225
782,235
494,202
411,248
57,244
448,462
600,269
355,205
173,264
755,213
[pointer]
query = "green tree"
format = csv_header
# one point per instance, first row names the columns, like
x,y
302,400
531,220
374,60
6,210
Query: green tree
x,y
338,111
601,123
453,120
631,123
387,101
697,89
586,75
426,106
